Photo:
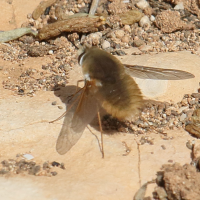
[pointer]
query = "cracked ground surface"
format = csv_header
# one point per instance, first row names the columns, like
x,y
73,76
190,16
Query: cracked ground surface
x,y
24,129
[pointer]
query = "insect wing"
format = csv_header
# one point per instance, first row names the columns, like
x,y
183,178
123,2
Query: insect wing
x,y
76,119
156,73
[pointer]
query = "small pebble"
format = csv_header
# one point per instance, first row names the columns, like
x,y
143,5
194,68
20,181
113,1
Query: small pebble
x,y
55,164
19,155
29,16
119,53
125,39
50,52
144,21
179,6
54,103
105,44
152,18
95,38
62,166
142,4
138,42
127,28
46,165
37,43
28,156
60,107
54,173
163,147
119,34
20,91
190,145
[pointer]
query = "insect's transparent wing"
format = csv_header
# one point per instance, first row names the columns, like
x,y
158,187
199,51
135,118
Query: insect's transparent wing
x,y
76,119
156,73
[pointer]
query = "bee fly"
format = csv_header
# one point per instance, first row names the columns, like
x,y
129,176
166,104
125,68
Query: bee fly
x,y
108,83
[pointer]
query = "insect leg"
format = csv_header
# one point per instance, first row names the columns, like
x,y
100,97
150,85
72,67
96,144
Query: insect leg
x,y
100,126
70,97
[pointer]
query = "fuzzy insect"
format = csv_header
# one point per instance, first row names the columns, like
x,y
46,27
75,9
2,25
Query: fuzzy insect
x,y
108,83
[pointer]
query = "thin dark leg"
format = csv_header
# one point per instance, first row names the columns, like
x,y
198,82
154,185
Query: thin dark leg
x,y
70,97
100,126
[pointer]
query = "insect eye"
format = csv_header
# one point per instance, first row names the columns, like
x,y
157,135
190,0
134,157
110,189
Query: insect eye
x,y
80,58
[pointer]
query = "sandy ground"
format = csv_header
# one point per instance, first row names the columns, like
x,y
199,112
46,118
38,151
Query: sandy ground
x,y
24,128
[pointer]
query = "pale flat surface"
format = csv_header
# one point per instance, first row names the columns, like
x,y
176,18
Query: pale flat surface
x,y
87,175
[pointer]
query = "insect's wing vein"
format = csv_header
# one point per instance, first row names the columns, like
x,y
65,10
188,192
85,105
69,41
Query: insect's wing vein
x,y
156,73
75,122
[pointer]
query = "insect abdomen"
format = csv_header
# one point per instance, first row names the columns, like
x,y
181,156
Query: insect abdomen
x,y
123,99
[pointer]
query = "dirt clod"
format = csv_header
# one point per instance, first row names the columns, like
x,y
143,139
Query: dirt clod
x,y
179,182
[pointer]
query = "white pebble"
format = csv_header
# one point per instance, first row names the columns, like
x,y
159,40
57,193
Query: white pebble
x,y
105,44
119,34
37,43
95,37
152,18
127,28
99,34
181,109
126,1
179,6
142,4
71,13
50,52
144,21
164,116
182,117
28,156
